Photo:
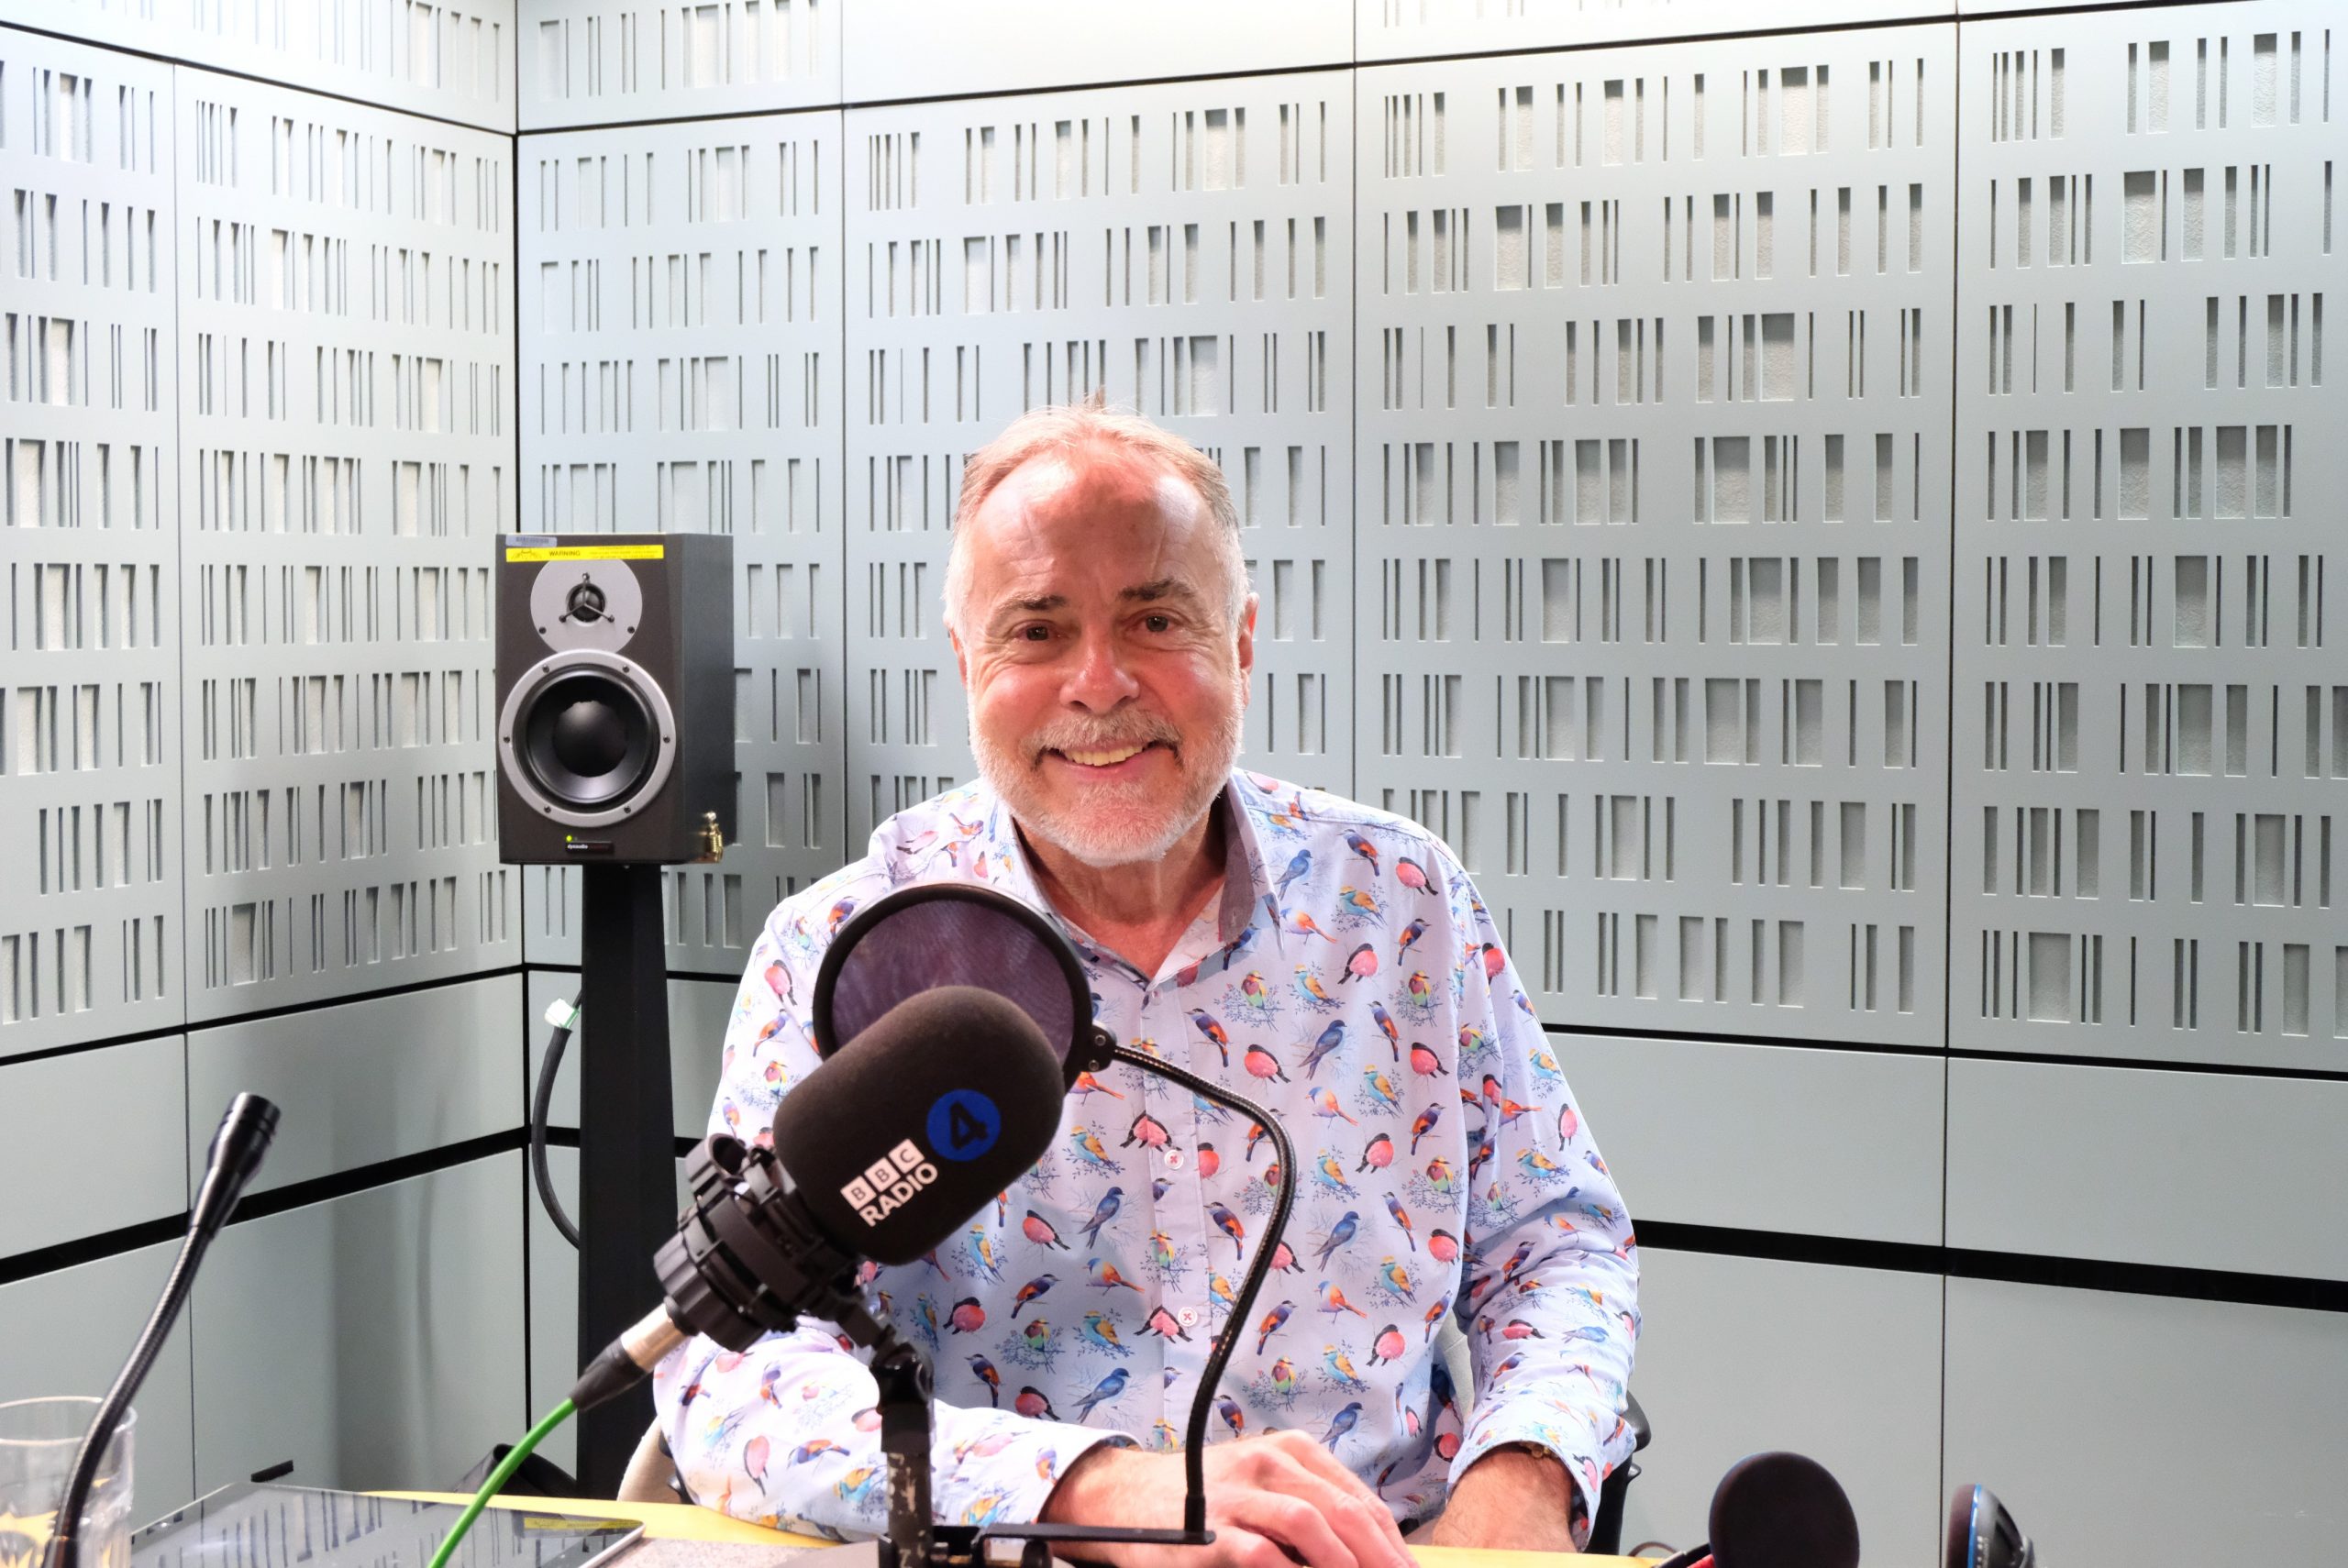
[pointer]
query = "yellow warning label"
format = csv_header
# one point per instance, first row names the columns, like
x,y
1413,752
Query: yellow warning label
x,y
522,553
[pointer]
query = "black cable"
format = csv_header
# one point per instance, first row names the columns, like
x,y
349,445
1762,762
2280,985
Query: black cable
x,y
1194,1503
540,1102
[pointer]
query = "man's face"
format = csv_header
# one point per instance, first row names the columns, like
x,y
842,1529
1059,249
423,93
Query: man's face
x,y
1106,686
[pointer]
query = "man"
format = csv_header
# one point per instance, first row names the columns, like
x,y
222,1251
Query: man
x,y
1330,961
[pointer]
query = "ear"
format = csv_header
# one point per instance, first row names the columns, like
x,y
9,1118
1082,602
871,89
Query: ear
x,y
1247,645
961,659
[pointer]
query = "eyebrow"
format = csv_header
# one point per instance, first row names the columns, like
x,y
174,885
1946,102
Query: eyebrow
x,y
1159,590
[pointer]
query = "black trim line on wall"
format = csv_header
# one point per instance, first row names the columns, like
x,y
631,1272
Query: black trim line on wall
x,y
1899,1257
2012,1268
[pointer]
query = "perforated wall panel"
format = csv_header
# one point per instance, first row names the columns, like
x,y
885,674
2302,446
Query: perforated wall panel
x,y
598,61
681,302
1398,29
346,415
449,58
914,49
1653,494
1185,248
2152,727
89,727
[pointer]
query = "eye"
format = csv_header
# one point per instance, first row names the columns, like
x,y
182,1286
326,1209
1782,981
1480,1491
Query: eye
x,y
1033,634
1155,621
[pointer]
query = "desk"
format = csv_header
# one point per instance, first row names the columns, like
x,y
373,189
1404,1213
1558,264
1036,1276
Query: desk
x,y
682,1522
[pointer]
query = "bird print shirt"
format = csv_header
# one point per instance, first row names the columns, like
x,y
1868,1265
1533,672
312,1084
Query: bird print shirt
x,y
1350,981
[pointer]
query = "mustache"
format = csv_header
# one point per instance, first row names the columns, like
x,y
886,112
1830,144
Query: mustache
x,y
1078,735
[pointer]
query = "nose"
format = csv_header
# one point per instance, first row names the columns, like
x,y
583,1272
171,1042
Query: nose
x,y
1099,682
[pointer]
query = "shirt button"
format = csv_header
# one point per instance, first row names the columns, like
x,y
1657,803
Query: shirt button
x,y
1173,1159
1188,1317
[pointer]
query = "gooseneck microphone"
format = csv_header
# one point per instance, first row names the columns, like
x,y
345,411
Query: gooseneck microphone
x,y
237,1145
883,1153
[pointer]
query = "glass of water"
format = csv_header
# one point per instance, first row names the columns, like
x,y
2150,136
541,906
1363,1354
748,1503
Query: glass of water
x,y
38,1438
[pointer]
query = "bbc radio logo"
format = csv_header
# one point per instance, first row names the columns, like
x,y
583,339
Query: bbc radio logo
x,y
887,1185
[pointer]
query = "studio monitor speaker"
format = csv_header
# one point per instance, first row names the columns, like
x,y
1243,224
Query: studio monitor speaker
x,y
614,698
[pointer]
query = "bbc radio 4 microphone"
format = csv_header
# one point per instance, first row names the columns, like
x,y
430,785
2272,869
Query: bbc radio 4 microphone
x,y
1982,1533
884,1153
1778,1511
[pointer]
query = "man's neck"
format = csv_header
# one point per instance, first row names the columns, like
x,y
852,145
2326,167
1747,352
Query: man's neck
x,y
1139,910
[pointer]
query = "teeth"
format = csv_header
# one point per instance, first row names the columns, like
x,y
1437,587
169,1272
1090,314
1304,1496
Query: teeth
x,y
1103,758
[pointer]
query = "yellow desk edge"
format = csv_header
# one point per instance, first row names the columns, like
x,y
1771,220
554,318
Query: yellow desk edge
x,y
683,1522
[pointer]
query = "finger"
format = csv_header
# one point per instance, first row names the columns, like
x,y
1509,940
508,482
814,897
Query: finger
x,y
1344,1506
1327,1467
1298,1523
1237,1548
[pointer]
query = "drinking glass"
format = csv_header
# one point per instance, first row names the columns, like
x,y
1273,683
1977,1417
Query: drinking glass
x,y
38,1438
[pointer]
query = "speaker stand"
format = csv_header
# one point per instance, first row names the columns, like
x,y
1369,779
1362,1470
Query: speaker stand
x,y
627,1160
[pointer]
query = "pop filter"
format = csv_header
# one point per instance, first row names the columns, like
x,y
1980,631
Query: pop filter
x,y
919,938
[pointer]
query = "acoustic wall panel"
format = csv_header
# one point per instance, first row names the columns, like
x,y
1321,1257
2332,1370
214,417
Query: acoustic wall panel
x,y
51,1127
681,352
376,1340
347,411
449,58
2191,1170
1652,516
1013,45
2152,727
598,61
2067,1404
1401,29
1184,248
1686,1123
67,1332
1739,1355
89,729
364,1082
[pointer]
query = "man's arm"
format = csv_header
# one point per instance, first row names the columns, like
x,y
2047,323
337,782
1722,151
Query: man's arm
x,y
782,1432
1551,1294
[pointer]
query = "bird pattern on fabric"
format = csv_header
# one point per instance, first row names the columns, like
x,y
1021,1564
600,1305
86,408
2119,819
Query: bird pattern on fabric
x,y
1349,980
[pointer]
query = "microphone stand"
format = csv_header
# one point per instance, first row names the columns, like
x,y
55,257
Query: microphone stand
x,y
954,1546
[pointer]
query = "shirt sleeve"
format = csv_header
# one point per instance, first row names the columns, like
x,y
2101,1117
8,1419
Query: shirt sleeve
x,y
1550,1297
787,1433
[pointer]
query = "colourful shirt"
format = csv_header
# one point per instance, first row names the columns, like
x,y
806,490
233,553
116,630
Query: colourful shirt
x,y
1351,982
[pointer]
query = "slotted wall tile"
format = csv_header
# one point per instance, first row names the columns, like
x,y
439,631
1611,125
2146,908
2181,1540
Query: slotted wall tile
x,y
602,62
89,729
1401,29
1185,248
2151,724
1003,46
346,411
681,365
1652,516
449,58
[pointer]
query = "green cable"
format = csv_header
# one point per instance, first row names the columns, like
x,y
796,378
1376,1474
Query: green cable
x,y
498,1477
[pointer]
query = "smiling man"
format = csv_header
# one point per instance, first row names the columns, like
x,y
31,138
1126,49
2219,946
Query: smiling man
x,y
1331,962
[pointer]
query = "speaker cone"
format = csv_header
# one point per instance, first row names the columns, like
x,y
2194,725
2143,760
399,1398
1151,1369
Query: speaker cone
x,y
588,737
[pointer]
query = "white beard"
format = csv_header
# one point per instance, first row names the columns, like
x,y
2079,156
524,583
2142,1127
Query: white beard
x,y
1116,824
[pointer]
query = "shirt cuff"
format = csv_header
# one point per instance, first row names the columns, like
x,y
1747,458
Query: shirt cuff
x,y
1502,1429
1006,1474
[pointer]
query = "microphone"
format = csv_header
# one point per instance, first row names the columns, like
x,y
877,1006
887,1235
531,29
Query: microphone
x,y
1982,1533
885,1152
237,1145
1778,1511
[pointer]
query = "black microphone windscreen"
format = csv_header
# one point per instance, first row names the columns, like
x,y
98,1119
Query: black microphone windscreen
x,y
1782,1510
905,1133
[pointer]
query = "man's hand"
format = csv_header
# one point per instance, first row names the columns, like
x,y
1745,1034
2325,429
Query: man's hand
x,y
1272,1501
1513,1499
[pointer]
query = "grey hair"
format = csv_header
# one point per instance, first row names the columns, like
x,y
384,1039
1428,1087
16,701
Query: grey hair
x,y
1066,428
